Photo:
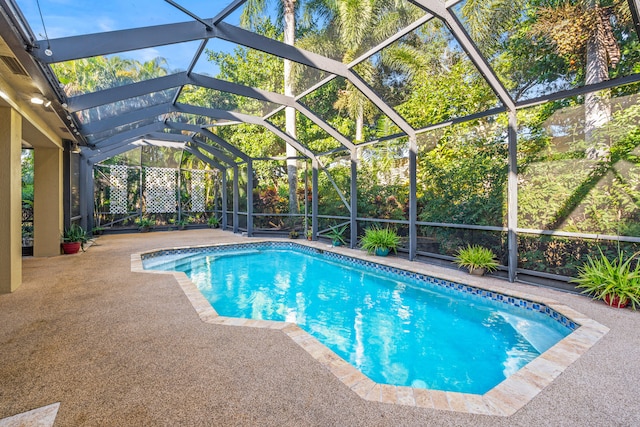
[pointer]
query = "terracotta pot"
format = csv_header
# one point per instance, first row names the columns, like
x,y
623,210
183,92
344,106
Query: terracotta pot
x,y
614,301
71,247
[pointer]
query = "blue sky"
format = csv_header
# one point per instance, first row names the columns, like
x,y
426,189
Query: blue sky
x,y
64,18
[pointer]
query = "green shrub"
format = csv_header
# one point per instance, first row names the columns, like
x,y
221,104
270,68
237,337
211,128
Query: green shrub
x,y
602,278
379,238
76,233
213,221
336,235
477,257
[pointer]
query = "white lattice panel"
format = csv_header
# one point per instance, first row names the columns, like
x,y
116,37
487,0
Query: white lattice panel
x,y
197,191
118,175
160,188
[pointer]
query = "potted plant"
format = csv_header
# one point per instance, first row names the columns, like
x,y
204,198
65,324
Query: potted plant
x,y
309,234
145,224
380,241
293,234
182,224
213,222
477,259
336,235
74,239
615,282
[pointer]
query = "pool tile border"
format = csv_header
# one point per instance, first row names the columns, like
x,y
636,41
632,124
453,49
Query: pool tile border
x,y
503,400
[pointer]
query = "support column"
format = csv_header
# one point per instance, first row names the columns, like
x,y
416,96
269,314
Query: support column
x,y
10,200
249,198
236,198
413,198
48,215
86,194
314,199
87,188
224,198
354,198
512,196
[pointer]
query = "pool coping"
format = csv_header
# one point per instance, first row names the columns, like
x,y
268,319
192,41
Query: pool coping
x,y
504,399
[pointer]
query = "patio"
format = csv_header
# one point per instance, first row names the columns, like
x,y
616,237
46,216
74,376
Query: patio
x,y
121,348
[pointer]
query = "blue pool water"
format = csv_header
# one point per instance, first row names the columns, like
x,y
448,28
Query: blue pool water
x,y
396,330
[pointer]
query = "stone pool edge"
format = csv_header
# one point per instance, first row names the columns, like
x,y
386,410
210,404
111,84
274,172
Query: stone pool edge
x,y
504,399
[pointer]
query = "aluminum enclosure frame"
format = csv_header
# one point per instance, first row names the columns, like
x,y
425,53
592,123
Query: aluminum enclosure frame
x,y
77,47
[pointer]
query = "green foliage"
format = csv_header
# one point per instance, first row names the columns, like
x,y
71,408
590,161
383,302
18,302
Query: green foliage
x,y
213,221
463,175
76,233
477,257
603,278
379,238
336,234
428,79
145,222
26,162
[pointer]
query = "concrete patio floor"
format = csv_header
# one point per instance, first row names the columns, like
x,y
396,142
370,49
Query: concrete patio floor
x,y
115,347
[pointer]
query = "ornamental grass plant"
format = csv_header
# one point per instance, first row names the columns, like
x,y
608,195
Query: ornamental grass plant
x,y
610,280
375,239
476,257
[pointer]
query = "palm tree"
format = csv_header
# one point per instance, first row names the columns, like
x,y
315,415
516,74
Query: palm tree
x,y
353,26
583,32
252,11
93,74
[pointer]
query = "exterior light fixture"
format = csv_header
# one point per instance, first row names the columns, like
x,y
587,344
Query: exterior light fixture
x,y
39,100
75,148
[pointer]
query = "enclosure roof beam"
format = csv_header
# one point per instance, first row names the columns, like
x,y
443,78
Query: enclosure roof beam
x,y
207,133
204,158
124,119
76,47
397,36
277,48
130,134
222,114
99,155
90,45
288,139
109,42
120,93
148,140
396,118
439,9
213,151
170,137
324,125
231,7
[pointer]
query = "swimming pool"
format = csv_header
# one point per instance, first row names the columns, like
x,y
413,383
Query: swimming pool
x,y
396,327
